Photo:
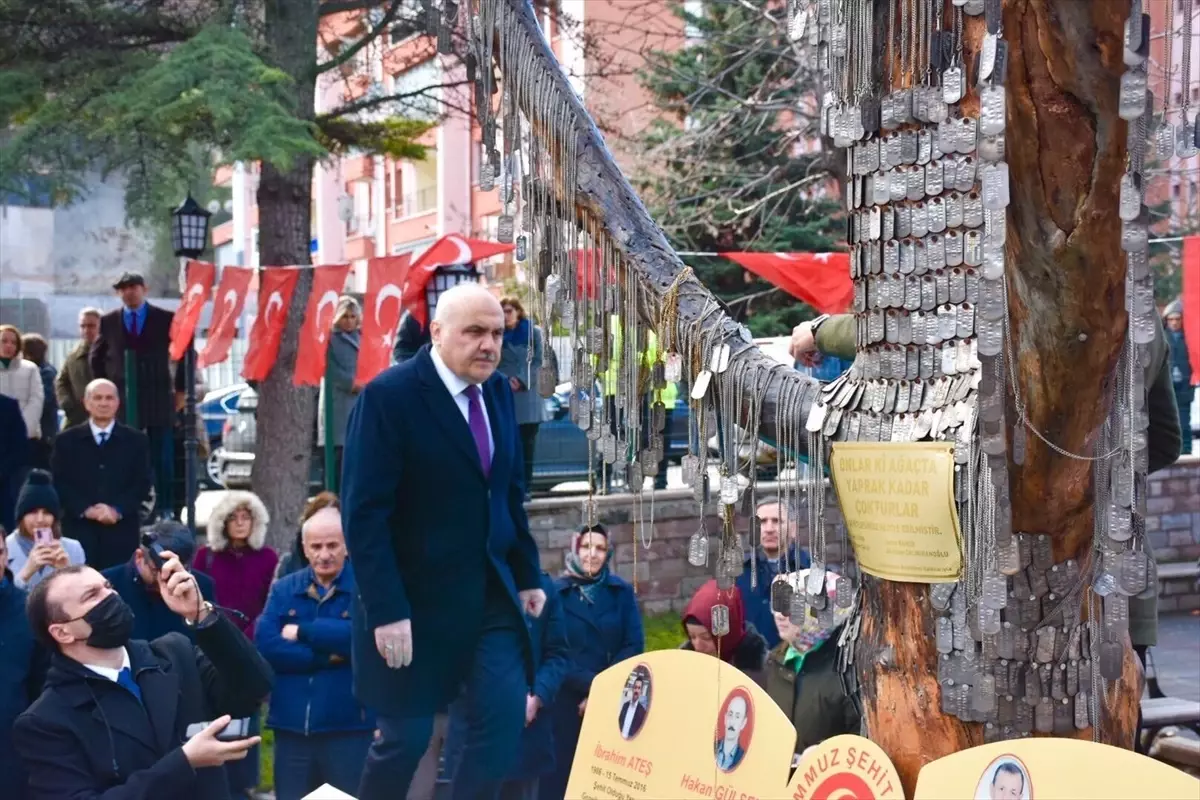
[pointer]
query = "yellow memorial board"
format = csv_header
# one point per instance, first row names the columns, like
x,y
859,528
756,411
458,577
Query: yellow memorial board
x,y
1052,769
898,504
676,725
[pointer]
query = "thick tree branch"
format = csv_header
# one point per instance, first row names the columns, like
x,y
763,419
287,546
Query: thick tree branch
x,y
368,103
350,52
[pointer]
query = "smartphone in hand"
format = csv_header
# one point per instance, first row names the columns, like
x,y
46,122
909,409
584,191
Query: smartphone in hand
x,y
235,730
43,536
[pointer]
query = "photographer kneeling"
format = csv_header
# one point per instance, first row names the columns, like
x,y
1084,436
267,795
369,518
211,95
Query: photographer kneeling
x,y
123,718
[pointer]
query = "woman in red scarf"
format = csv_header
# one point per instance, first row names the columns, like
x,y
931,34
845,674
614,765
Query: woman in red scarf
x,y
742,647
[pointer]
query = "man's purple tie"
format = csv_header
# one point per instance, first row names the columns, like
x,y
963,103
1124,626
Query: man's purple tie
x,y
479,430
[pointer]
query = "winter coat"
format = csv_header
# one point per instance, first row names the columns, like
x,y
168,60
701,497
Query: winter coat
x,y
552,657
14,457
19,549
314,684
87,736
22,670
49,420
600,634
71,382
241,578
813,698
515,363
749,656
1181,367
157,379
340,369
758,600
22,381
151,617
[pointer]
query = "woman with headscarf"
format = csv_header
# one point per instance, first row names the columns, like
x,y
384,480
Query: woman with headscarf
x,y
340,370
742,646
802,671
520,360
604,627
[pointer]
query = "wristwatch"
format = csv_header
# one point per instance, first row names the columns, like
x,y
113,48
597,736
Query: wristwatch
x,y
206,611
816,323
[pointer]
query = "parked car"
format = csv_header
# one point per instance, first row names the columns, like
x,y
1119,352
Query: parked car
x,y
215,411
234,460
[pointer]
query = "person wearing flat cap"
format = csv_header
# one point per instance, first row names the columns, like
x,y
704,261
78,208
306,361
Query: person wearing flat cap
x,y
145,330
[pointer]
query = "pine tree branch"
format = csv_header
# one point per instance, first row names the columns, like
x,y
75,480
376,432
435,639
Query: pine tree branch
x,y
368,103
350,52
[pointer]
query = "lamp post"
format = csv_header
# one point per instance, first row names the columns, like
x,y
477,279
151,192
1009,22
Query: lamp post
x,y
189,238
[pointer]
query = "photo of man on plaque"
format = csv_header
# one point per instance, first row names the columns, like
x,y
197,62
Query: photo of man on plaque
x,y
735,726
1004,779
635,702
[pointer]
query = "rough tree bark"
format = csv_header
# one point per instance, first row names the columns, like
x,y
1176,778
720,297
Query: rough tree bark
x,y
1066,151
284,434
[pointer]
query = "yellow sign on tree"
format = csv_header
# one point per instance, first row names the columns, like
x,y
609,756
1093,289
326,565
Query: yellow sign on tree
x,y
898,504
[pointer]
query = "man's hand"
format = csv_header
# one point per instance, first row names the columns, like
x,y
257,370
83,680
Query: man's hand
x,y
532,601
803,347
204,750
515,383
112,515
394,642
533,704
582,706
178,589
290,632
95,512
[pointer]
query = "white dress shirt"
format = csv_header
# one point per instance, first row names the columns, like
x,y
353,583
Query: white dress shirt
x,y
457,387
109,672
97,430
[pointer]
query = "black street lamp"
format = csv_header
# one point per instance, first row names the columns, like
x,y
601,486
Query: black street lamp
x,y
189,238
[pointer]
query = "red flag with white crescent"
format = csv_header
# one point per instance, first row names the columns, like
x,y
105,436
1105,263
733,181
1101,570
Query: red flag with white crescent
x,y
381,315
227,308
328,282
275,288
447,251
199,276
1191,303
820,279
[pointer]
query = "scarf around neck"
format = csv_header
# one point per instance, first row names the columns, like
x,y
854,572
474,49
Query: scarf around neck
x,y
519,334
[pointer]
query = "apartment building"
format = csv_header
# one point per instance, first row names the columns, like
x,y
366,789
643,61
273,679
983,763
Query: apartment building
x,y
366,206
1174,180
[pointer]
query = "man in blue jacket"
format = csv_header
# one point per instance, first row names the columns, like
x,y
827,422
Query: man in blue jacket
x,y
137,582
779,551
321,732
445,563
552,657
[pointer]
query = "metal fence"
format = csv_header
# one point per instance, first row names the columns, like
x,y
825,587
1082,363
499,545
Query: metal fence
x,y
218,376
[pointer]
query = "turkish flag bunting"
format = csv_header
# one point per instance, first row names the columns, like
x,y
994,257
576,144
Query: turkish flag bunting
x,y
587,276
820,279
275,288
200,276
385,277
448,250
227,308
328,282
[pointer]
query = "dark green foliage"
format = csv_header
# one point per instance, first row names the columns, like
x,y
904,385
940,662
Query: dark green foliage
x,y
726,171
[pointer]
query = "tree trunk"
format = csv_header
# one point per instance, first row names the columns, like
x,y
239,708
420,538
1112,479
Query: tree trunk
x,y
286,414
1066,151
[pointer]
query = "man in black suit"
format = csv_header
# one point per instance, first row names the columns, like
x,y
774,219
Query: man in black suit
x,y
114,718
144,330
633,713
445,563
102,474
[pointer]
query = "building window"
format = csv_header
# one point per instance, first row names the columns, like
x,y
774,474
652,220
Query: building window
x,y
422,196
359,223
422,98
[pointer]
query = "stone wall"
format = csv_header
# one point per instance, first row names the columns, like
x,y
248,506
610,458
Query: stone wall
x,y
665,579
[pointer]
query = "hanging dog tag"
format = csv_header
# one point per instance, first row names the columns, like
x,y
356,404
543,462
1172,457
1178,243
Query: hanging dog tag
x,y
505,227
720,358
673,368
1185,139
952,85
940,594
1116,616
843,592
1112,655
781,597
995,185
700,387
720,620
1131,101
1081,718
547,380
1129,206
987,57
991,110
729,490
995,591
1164,140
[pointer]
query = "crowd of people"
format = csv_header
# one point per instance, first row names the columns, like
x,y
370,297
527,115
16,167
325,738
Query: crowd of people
x,y
408,645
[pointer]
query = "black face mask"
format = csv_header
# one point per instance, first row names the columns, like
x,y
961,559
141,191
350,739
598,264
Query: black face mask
x,y
112,623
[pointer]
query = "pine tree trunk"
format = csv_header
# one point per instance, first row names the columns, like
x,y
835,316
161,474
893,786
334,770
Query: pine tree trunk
x,y
1066,150
286,414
